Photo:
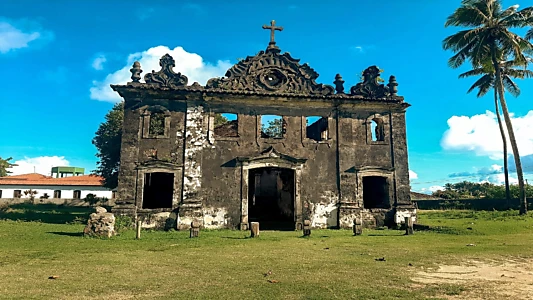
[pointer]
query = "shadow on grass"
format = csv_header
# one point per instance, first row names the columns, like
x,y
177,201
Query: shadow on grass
x,y
441,229
46,213
235,238
377,234
76,234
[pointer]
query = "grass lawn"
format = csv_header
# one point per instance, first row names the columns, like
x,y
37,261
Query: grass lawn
x,y
229,265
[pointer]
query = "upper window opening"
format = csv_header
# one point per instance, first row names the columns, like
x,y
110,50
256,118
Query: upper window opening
x,y
157,124
377,130
317,128
272,126
226,125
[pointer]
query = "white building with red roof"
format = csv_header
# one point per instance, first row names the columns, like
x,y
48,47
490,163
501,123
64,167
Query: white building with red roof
x,y
48,187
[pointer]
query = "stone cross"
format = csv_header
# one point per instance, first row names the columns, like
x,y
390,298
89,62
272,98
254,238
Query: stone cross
x,y
195,229
138,232
273,29
254,229
307,228
409,226
357,226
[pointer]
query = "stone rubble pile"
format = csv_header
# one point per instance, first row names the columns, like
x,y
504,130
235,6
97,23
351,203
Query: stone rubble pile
x,y
100,224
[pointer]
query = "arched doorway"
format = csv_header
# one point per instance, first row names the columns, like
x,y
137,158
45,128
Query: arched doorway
x,y
271,198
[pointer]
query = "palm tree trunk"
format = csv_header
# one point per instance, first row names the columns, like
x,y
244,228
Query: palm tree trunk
x,y
504,140
512,139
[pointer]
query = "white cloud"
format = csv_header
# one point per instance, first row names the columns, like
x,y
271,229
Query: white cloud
x,y
191,65
412,175
431,189
435,188
498,179
41,165
12,38
481,135
98,62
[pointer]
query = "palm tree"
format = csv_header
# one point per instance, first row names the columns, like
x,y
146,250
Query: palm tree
x,y
487,82
489,37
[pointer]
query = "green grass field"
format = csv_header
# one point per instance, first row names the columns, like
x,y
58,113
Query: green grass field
x,y
228,264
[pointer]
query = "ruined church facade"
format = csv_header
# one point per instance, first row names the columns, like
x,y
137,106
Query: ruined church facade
x,y
332,156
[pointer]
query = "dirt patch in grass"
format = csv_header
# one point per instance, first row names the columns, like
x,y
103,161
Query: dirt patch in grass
x,y
509,279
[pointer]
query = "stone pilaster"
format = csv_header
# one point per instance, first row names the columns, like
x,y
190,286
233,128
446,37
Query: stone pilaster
x,y
401,163
195,138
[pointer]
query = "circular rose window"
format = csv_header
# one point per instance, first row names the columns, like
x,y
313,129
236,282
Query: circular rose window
x,y
272,79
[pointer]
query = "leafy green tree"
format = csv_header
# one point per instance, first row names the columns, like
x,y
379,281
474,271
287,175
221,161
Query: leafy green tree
x,y
487,82
5,165
273,129
476,190
107,141
220,120
488,37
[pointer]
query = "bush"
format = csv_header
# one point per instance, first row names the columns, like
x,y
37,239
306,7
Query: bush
x,y
91,199
123,223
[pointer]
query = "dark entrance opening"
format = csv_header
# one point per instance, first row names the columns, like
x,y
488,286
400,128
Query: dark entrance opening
x,y
375,192
158,190
271,198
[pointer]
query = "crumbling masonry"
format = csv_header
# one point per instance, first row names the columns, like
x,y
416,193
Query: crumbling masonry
x,y
336,155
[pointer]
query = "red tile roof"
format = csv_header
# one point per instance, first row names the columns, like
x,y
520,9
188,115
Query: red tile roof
x,y
38,179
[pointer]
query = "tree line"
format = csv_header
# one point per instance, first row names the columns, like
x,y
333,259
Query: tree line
x,y
476,190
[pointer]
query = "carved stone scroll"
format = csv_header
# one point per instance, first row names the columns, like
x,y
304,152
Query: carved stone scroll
x,y
370,87
166,76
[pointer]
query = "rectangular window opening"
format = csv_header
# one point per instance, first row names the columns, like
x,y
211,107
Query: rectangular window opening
x,y
226,125
377,130
273,126
57,194
317,128
77,194
157,124
17,193
376,192
158,190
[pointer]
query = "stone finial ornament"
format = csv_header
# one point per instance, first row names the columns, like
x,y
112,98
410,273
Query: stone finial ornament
x,y
136,71
166,76
393,86
339,84
370,87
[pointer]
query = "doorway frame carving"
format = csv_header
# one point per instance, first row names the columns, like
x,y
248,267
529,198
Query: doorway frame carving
x,y
270,158
156,166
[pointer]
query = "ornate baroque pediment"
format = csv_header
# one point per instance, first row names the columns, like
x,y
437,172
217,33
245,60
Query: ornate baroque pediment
x,y
271,72
371,88
166,76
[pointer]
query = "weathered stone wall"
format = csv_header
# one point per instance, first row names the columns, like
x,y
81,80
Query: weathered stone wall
x,y
213,184
129,155
401,163
222,178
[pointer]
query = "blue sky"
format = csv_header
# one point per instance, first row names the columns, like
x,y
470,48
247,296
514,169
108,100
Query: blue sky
x,y
58,58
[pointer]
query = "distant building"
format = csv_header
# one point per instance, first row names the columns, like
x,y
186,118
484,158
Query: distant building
x,y
48,187
66,171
